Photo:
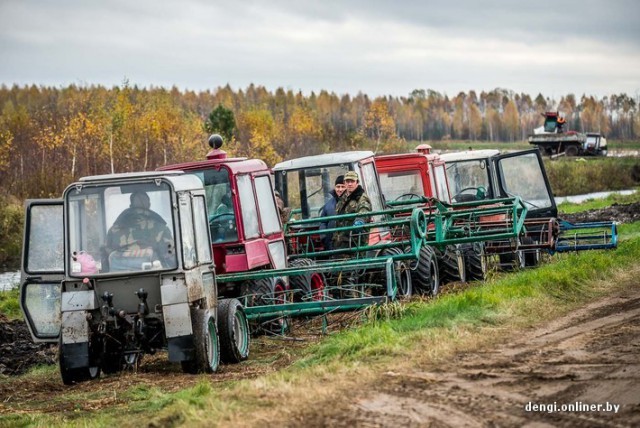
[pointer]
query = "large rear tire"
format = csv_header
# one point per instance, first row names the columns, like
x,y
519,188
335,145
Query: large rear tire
x,y
448,263
475,262
402,272
74,375
531,256
308,286
234,331
571,151
263,292
424,274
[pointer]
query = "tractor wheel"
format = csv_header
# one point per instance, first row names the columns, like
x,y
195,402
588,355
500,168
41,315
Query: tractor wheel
x,y
450,270
402,271
571,151
76,374
511,261
206,344
263,292
309,286
424,274
532,256
234,331
475,262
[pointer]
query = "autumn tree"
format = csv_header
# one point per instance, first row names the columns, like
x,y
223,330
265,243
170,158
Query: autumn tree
x,y
378,123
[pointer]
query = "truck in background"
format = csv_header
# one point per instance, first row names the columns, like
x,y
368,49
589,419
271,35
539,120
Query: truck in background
x,y
553,139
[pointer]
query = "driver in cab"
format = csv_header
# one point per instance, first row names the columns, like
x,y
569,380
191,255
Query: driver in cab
x,y
139,238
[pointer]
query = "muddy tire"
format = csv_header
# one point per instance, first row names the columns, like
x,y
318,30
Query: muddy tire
x,y
112,359
234,331
309,286
403,273
77,374
206,344
571,151
511,261
448,265
263,292
475,262
532,256
424,273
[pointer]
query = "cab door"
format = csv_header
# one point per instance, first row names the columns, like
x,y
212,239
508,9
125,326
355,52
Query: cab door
x,y
523,174
42,268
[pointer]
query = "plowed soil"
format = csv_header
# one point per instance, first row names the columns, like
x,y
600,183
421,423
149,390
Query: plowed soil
x,y
590,357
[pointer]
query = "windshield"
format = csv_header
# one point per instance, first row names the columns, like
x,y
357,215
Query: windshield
x,y
126,228
222,213
522,176
306,191
466,178
401,185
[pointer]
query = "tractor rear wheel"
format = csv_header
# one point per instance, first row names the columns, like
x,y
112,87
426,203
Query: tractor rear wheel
x,y
234,331
571,151
475,262
308,286
531,256
77,374
402,272
448,263
424,274
263,292
512,261
205,341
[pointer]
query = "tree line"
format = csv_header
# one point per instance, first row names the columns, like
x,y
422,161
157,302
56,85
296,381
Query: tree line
x,y
52,136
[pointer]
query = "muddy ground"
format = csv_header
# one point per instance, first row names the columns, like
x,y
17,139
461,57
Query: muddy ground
x,y
591,356
625,213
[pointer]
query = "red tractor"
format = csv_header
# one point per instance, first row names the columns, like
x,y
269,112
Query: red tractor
x,y
244,222
414,177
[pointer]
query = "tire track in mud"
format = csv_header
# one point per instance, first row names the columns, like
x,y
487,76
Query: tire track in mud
x,y
591,356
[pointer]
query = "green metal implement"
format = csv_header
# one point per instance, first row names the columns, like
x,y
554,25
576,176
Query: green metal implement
x,y
390,236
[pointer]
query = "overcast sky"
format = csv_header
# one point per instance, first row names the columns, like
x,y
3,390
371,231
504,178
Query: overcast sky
x,y
377,47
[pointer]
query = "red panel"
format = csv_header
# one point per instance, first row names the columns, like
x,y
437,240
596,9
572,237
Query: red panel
x,y
257,253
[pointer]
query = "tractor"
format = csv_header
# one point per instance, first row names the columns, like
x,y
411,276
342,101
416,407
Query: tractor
x,y
121,267
306,183
478,175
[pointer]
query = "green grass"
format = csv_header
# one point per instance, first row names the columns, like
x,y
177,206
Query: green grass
x,y
9,303
592,204
393,334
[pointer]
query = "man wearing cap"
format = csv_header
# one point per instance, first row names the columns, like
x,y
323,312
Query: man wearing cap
x,y
353,200
329,209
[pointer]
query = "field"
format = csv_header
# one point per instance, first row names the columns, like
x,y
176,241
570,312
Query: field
x,y
565,332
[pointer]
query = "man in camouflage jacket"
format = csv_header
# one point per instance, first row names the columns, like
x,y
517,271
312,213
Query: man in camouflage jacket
x,y
353,200
139,235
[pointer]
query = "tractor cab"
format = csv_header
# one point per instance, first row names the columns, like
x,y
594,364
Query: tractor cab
x,y
413,176
244,221
487,174
119,267
305,185
245,227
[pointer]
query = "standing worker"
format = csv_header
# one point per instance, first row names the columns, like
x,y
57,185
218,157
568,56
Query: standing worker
x,y
329,209
353,200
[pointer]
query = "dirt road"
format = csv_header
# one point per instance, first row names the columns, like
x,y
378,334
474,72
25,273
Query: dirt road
x,y
590,357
